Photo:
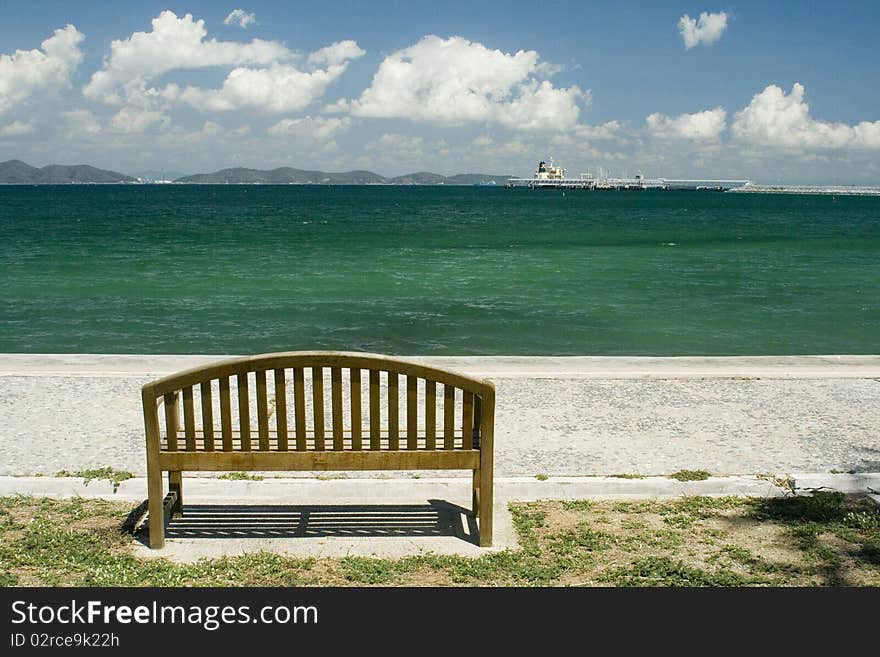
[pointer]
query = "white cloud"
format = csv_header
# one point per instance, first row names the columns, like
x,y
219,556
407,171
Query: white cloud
x,y
705,126
341,106
263,76
16,129
706,31
173,43
608,130
316,128
82,123
240,17
774,118
28,72
336,53
482,140
279,88
515,147
134,119
455,81
392,143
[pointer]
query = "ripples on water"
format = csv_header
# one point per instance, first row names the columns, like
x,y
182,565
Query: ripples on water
x,y
427,270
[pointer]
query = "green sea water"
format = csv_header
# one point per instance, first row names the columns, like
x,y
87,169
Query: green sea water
x,y
433,270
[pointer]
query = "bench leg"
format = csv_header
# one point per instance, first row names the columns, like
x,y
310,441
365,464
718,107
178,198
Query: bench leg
x,y
475,493
156,508
175,485
485,504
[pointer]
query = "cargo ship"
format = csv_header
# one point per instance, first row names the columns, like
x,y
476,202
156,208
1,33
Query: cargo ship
x,y
551,176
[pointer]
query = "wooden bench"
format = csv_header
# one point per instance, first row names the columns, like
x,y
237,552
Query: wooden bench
x,y
271,413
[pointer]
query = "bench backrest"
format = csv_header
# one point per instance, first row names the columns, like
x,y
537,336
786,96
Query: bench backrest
x,y
321,401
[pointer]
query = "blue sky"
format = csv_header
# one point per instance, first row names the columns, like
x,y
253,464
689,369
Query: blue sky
x,y
775,92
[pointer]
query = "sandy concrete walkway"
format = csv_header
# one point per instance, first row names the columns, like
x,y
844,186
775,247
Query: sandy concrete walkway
x,y
559,416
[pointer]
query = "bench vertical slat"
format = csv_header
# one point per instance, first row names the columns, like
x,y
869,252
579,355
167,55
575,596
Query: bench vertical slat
x,y
356,441
281,409
467,420
430,414
262,410
225,414
448,416
412,412
375,418
336,406
244,413
393,412
207,415
189,419
172,420
299,408
318,405
478,422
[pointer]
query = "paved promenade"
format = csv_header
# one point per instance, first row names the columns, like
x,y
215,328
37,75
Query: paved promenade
x,y
557,416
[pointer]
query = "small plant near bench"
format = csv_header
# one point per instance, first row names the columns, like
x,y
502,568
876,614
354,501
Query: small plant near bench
x,y
240,476
115,477
690,475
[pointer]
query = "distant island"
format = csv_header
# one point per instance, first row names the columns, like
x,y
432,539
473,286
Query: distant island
x,y
16,172
291,176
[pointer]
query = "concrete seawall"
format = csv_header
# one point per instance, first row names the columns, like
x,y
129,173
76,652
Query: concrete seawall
x,y
555,415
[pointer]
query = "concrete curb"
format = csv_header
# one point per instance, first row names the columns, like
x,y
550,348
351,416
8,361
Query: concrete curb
x,y
491,367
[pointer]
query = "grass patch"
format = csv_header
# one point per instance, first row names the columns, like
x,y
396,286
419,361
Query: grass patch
x,y
115,477
240,476
627,476
542,477
662,571
690,475
827,539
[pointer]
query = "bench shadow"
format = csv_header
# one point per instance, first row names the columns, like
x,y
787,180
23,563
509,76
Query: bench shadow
x,y
437,518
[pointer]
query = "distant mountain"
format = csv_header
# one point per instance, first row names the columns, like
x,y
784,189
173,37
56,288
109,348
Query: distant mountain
x,y
283,175
17,172
420,178
288,175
